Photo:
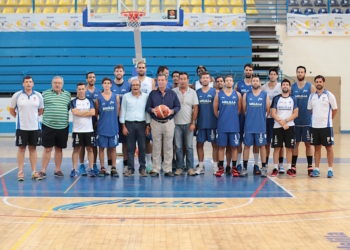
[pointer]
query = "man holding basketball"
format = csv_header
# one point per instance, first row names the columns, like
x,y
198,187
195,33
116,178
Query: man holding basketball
x,y
162,124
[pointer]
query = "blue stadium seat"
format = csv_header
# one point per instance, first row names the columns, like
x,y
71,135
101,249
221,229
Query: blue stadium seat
x,y
306,3
344,3
347,11
320,3
322,11
337,11
293,3
296,11
309,11
334,3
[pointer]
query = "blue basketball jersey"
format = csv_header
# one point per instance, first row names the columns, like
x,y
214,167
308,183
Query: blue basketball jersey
x,y
206,117
228,112
302,96
255,119
92,95
243,88
107,124
121,90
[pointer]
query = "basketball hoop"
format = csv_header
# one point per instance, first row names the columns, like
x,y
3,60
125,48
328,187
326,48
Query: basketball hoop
x,y
133,18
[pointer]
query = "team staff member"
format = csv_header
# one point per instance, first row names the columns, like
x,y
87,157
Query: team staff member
x,y
135,125
302,90
92,92
55,127
185,124
29,105
107,110
284,110
162,128
175,76
323,107
83,110
120,88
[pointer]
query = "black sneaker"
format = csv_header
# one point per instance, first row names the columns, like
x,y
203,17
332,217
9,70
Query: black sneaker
x,y
42,175
228,170
154,174
102,172
114,172
58,174
169,174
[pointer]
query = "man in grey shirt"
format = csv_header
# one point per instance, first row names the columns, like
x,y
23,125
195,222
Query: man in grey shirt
x,y
185,124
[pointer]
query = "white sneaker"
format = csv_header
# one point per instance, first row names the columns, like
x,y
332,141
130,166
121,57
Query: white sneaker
x,y
215,169
200,170
125,169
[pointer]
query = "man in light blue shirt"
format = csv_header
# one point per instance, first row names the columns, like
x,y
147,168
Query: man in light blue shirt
x,y
135,122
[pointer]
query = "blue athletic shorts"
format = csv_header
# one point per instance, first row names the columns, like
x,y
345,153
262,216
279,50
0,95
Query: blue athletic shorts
x,y
107,141
257,139
204,135
269,129
228,139
302,134
241,126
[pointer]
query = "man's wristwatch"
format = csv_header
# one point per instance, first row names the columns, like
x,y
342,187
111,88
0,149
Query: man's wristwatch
x,y
194,123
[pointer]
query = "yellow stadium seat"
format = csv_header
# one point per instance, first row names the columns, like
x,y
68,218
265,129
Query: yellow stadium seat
x,y
72,10
169,8
197,10
39,2
62,10
210,10
25,3
51,3
103,2
8,10
223,3
92,2
155,10
155,2
114,10
79,2
2,2
196,2
11,2
169,2
184,2
250,2
129,2
209,3
21,10
186,9
64,3
236,3
224,10
251,11
237,10
141,2
102,10
37,10
49,10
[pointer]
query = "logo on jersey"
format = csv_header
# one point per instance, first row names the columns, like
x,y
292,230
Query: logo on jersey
x,y
212,135
228,103
261,139
259,99
210,96
255,104
236,140
111,102
77,139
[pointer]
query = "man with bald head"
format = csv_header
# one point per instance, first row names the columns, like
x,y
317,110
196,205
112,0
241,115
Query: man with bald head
x,y
135,126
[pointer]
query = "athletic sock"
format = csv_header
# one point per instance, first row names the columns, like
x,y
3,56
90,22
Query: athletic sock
x,y
239,158
125,162
280,160
109,162
318,168
309,160
267,160
294,160
216,164
148,159
256,159
245,164
289,166
200,165
276,166
234,164
330,169
263,164
221,163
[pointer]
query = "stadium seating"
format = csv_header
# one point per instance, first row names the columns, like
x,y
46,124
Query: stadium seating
x,y
237,10
337,11
169,2
210,10
79,3
37,10
224,10
334,3
25,3
309,11
251,11
62,10
344,3
8,10
209,3
49,10
223,3
51,3
39,2
114,10
186,9
320,3
196,2
293,3
184,2
296,11
322,11
306,3
155,10
103,3
155,2
102,10
236,3
79,10
21,10
197,10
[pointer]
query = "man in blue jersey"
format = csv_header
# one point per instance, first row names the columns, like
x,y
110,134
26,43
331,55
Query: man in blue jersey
x,y
323,107
227,106
83,110
256,107
284,110
91,93
243,87
107,111
120,88
206,122
301,90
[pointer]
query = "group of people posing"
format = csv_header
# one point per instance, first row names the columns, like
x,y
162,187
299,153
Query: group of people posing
x,y
217,110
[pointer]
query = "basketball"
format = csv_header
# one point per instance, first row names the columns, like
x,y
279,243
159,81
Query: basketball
x,y
162,111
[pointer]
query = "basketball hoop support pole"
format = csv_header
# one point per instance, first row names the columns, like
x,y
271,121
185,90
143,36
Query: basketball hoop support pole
x,y
138,46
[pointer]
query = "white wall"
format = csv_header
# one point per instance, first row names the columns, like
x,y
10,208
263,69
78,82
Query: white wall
x,y
328,56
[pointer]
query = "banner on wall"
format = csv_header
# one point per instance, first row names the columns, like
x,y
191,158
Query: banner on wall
x,y
318,25
73,22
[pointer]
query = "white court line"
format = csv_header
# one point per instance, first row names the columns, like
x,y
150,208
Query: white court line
x,y
9,171
286,190
115,215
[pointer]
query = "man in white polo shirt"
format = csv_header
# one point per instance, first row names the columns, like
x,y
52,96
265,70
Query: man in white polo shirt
x,y
83,110
27,105
323,107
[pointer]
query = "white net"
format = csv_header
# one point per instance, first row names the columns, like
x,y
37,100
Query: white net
x,y
132,18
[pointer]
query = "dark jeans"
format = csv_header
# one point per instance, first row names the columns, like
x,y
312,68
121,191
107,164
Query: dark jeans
x,y
136,133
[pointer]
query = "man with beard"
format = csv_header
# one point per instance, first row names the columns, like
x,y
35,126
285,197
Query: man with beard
x,y
243,87
323,107
198,84
272,88
256,106
284,110
227,106
147,85
301,90
92,93
220,84
120,88
176,79
206,122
